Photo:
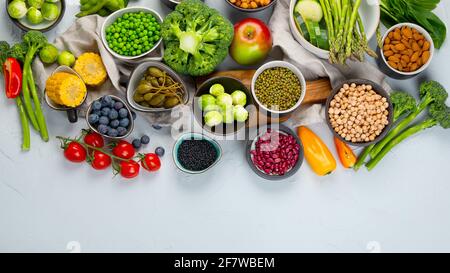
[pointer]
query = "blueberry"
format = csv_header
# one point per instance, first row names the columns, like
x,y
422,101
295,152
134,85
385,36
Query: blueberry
x,y
112,103
118,105
93,118
133,114
123,113
156,126
113,114
160,151
136,143
124,122
106,101
103,120
97,112
114,123
145,139
97,105
122,131
105,111
112,132
102,129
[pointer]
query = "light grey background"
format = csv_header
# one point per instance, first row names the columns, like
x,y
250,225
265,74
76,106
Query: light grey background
x,y
49,204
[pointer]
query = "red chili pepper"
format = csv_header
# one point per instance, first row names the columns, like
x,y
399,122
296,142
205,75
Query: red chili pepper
x,y
13,77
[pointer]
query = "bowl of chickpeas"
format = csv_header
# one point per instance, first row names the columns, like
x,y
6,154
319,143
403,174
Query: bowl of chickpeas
x,y
251,5
359,112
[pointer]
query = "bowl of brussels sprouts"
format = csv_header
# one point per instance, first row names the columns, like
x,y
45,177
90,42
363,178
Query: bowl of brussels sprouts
x,y
41,15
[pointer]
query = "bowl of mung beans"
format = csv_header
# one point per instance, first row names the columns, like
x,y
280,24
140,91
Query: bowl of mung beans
x,y
251,5
132,33
278,87
359,112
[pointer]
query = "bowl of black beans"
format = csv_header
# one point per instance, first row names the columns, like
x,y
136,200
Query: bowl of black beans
x,y
195,153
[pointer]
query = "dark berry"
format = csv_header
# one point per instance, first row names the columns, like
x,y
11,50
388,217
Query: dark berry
x,y
160,151
136,143
145,139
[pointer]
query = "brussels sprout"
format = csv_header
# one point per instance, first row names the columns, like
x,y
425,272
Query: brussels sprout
x,y
217,90
206,100
213,118
228,116
224,100
35,3
34,16
240,113
50,11
66,58
17,9
48,54
212,107
239,98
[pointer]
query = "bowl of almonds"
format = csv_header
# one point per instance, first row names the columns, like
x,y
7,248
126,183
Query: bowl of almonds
x,y
407,50
359,112
251,5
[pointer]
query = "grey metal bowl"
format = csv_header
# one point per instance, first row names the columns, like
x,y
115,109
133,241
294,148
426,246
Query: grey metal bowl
x,y
172,3
252,10
138,74
378,89
130,115
44,26
283,130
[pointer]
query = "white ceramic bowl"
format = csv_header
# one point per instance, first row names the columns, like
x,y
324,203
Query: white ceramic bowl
x,y
112,18
399,74
289,66
370,15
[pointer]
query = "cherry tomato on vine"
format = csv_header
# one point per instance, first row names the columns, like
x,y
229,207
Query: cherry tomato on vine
x,y
150,162
94,139
129,169
100,160
75,152
124,150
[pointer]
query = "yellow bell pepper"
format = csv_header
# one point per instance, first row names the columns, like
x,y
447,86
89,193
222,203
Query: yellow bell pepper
x,y
317,153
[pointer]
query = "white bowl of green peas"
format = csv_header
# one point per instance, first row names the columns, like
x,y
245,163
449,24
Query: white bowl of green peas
x,y
132,33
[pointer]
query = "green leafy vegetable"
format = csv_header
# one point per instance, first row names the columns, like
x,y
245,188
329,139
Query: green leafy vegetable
x,y
415,11
196,37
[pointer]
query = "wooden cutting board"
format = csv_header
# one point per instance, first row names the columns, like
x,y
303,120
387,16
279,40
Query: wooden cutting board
x,y
316,91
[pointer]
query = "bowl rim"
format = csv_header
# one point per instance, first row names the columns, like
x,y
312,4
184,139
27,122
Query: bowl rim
x,y
379,90
423,32
252,10
294,170
289,66
172,73
25,28
130,126
316,50
201,136
118,13
196,95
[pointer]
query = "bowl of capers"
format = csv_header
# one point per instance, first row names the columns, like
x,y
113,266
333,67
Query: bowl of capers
x,y
154,87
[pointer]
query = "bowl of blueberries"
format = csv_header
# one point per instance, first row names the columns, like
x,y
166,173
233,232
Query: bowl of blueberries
x,y
111,117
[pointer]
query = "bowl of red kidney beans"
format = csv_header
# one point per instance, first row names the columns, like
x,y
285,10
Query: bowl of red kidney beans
x,y
276,152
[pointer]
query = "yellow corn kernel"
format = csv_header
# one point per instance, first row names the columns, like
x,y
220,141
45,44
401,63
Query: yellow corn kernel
x,y
65,89
91,69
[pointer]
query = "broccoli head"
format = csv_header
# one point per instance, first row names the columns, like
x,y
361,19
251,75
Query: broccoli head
x,y
4,48
403,103
35,40
18,51
196,37
432,92
440,113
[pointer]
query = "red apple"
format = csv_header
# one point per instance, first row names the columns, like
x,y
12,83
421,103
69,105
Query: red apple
x,y
252,42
